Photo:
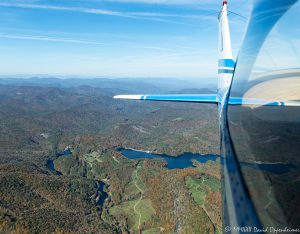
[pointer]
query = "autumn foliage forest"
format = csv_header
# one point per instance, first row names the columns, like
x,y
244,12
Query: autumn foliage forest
x,y
43,190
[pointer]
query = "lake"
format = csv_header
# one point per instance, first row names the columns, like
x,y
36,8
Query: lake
x,y
179,162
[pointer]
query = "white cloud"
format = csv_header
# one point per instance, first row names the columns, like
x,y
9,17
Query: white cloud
x,y
51,39
165,2
87,42
60,8
155,2
157,16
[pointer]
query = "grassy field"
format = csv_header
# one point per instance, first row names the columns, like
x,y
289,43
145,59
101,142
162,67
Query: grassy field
x,y
213,183
137,211
152,231
130,190
127,209
136,179
135,188
200,187
196,190
92,157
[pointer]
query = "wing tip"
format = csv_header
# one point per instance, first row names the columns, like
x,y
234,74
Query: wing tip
x,y
132,97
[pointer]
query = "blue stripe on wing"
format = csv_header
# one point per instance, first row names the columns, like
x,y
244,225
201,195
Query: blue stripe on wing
x,y
205,98
260,102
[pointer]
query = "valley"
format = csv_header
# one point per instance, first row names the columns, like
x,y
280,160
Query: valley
x,y
61,170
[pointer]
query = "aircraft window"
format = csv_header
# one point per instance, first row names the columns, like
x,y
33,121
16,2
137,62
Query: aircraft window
x,y
266,139
281,50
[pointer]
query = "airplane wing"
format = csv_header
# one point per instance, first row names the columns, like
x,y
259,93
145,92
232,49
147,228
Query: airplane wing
x,y
208,98
200,98
257,102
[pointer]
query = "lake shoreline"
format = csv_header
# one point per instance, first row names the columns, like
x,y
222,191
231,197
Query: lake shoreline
x,y
184,160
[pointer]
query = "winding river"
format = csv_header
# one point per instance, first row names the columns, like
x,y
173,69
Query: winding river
x,y
101,196
50,163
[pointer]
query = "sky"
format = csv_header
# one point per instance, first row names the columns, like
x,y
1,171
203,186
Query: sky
x,y
115,38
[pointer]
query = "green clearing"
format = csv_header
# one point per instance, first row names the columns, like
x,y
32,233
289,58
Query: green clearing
x,y
152,231
137,211
127,209
136,179
213,183
92,157
198,193
131,189
200,187
219,230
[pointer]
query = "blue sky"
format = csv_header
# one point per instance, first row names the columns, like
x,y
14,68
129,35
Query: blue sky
x,y
114,38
